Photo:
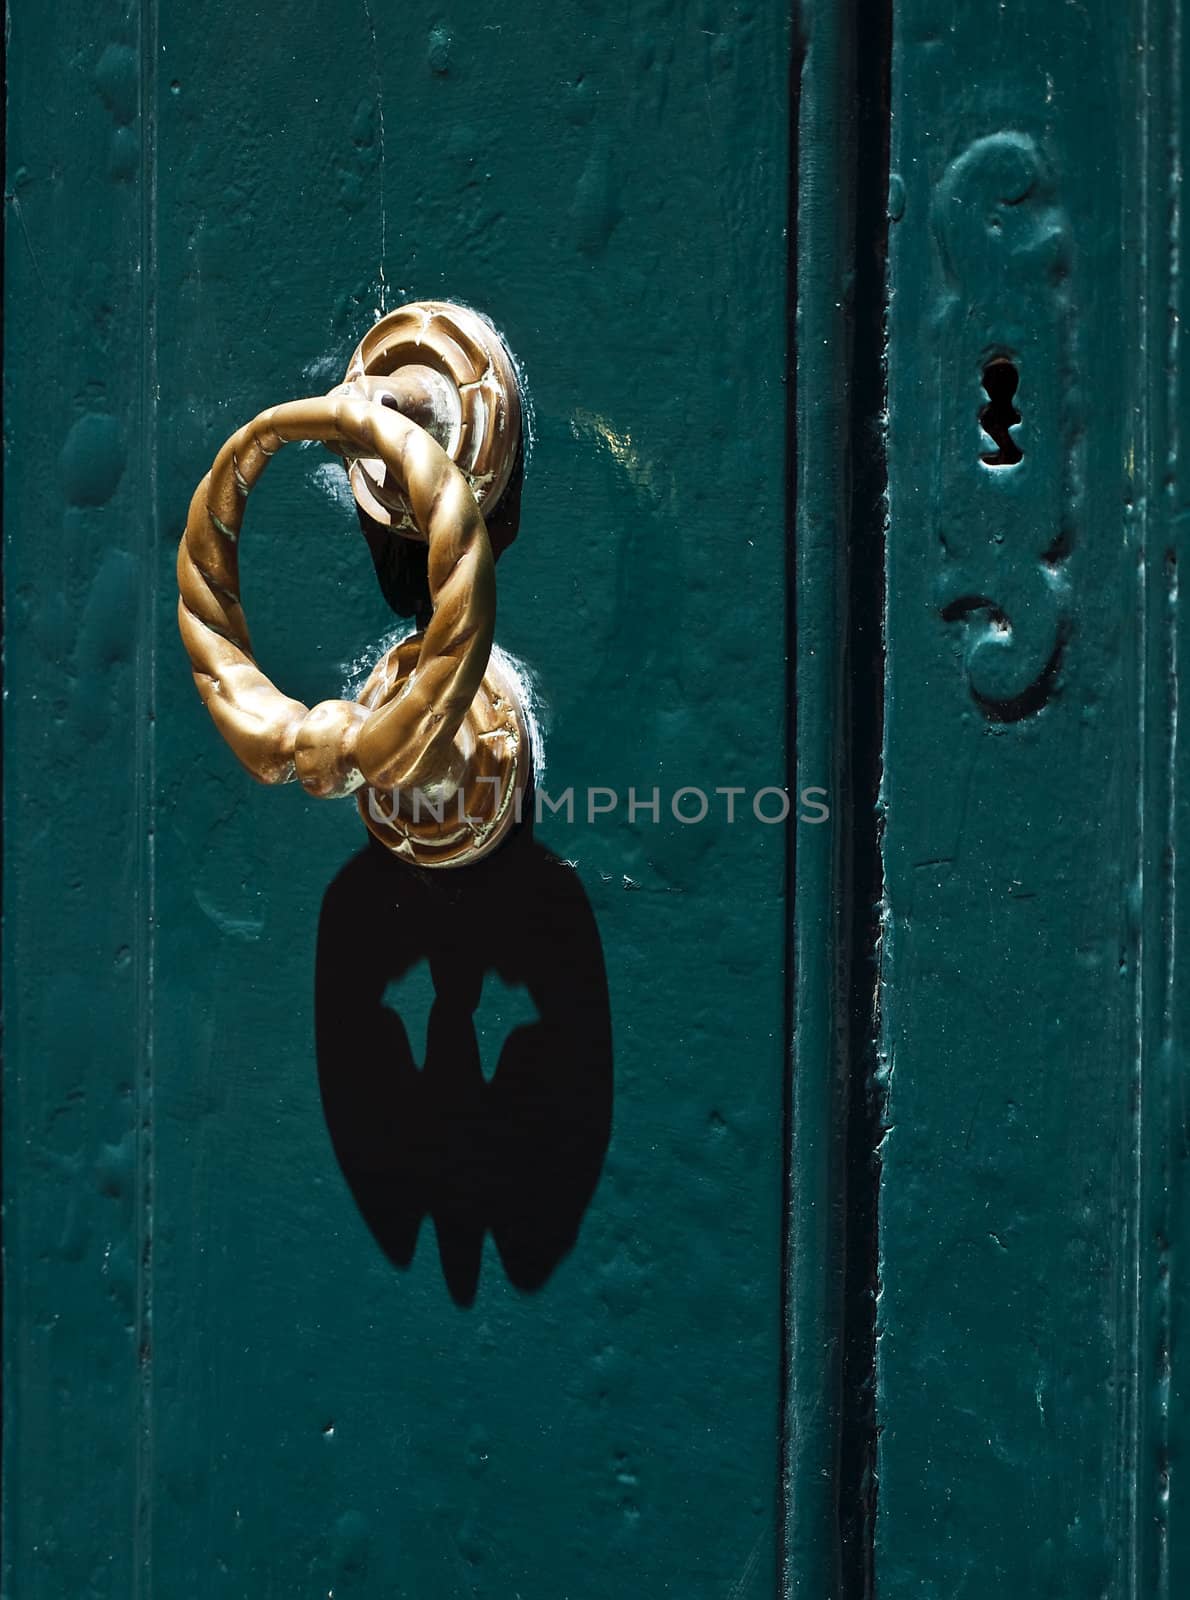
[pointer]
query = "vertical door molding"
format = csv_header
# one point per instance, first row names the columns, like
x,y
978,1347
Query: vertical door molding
x,y
838,240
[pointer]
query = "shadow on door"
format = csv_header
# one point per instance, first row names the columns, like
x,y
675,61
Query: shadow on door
x,y
517,1153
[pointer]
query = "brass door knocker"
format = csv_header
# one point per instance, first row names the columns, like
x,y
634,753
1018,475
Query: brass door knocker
x,y
436,746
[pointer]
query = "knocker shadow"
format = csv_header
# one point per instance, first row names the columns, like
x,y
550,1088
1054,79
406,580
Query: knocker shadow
x,y
517,1155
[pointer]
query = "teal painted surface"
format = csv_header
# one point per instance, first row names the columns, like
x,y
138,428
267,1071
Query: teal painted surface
x,y
1032,1314
78,491
231,1370
483,1236
822,256
1163,1311
1170,1173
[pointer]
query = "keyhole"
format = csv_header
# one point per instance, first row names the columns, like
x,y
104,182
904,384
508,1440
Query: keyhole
x,y
1000,380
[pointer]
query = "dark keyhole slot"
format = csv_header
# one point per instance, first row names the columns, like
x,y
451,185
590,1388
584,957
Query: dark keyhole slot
x,y
1000,380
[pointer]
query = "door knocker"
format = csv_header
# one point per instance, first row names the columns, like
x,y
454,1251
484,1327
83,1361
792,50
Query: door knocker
x,y
436,747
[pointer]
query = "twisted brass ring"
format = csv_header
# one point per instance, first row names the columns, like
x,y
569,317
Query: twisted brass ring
x,y
406,743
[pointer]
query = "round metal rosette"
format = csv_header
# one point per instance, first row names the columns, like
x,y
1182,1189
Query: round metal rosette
x,y
465,815
447,368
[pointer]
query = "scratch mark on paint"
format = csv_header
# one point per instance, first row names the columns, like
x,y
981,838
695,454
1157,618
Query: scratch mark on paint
x,y
640,472
743,1583
379,84
248,928
15,203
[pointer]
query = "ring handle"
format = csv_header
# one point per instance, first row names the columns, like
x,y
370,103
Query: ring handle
x,y
432,724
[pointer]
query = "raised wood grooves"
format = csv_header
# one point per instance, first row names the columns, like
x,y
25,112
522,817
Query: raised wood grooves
x,y
837,483
863,886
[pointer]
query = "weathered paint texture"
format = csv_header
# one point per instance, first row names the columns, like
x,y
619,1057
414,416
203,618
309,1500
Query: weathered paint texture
x,y
237,1365
373,1236
1033,1205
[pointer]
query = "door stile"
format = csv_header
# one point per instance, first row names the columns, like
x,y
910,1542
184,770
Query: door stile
x,y
79,540
1033,1164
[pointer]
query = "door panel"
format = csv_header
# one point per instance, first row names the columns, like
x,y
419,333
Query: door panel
x,y
1032,1304
408,1305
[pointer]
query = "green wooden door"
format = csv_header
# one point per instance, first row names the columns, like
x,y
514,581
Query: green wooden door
x,y
787,1199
